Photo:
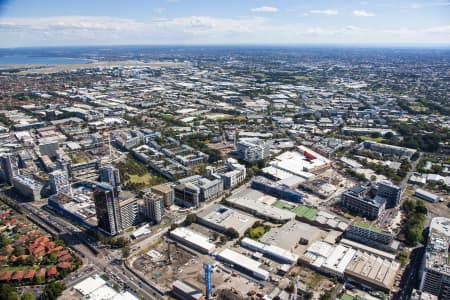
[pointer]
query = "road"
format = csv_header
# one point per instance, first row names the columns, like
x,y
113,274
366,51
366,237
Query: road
x,y
76,239
413,169
410,278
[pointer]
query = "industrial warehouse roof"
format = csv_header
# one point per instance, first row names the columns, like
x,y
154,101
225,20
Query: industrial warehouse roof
x,y
226,217
270,250
244,262
95,288
193,238
259,203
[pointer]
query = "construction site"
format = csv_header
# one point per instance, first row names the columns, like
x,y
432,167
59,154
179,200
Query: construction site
x,y
169,261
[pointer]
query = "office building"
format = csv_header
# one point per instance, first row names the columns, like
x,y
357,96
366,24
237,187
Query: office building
x,y
435,267
187,195
49,148
110,175
371,236
154,206
59,182
209,189
385,149
27,187
166,191
129,212
427,196
232,173
358,199
391,192
10,167
107,209
252,149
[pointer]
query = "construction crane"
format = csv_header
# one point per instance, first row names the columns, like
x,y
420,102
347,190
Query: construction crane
x,y
207,268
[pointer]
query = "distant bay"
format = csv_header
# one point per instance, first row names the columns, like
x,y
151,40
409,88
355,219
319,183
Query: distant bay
x,y
40,60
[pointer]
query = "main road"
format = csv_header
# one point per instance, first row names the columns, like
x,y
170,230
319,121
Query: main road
x,y
79,241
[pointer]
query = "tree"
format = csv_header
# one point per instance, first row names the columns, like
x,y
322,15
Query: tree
x,y
191,218
27,296
53,290
325,296
231,233
125,251
8,292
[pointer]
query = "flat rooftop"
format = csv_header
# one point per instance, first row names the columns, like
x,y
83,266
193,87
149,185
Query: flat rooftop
x,y
260,203
374,269
227,217
289,235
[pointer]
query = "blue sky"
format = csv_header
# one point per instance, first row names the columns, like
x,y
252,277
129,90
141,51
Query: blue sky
x,y
121,22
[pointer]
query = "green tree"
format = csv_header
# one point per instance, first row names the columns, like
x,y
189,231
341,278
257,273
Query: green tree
x,y
8,292
125,251
27,296
191,218
231,233
53,290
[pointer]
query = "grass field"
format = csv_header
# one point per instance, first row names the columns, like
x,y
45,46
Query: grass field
x,y
283,205
367,226
306,212
139,179
369,138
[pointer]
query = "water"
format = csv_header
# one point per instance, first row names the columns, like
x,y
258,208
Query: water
x,y
40,60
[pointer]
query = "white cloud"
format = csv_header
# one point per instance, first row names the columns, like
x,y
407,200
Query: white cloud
x,y
267,9
89,30
362,13
328,12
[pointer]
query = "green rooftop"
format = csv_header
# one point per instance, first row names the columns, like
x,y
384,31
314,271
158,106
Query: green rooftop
x,y
283,205
305,212
367,226
346,297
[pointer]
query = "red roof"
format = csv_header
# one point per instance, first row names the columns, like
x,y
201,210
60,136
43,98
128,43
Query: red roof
x,y
9,248
64,265
5,276
51,271
38,252
3,258
29,274
18,275
41,273
66,257
61,253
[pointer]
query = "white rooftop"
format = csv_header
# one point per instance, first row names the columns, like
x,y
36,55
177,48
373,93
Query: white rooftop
x,y
95,288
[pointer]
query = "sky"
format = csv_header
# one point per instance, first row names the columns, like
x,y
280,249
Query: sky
x,y
27,23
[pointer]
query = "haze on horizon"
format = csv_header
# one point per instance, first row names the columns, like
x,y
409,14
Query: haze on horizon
x,y
27,23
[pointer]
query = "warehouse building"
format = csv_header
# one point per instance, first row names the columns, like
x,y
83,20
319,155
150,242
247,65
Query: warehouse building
x,y
243,263
279,254
260,205
373,271
221,218
192,239
427,196
276,189
184,291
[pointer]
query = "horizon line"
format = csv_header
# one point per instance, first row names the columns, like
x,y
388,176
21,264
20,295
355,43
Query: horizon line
x,y
430,46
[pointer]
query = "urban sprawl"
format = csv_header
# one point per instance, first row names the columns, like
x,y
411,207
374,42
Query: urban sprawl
x,y
228,174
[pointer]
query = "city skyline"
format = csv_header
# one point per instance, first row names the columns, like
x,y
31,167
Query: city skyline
x,y
183,22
